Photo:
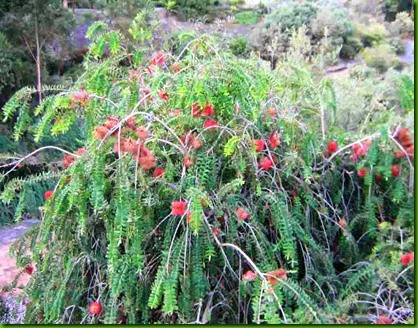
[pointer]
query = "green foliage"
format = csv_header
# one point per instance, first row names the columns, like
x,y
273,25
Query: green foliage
x,y
192,9
111,233
322,24
247,17
240,47
380,57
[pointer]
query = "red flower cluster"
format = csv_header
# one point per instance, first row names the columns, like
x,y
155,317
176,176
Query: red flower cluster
x,y
249,275
207,110
210,123
178,208
362,172
68,160
407,258
276,275
158,172
259,145
265,163
360,149
190,139
332,146
81,151
163,95
29,269
383,320
142,154
80,98
95,308
242,214
175,67
274,140
145,158
48,194
404,138
188,161
158,59
396,170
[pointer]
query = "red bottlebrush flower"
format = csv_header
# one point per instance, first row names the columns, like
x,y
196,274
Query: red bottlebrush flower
x,y
81,151
178,208
111,122
242,214
175,67
249,275
196,110
190,139
196,144
188,217
272,111
147,93
131,123
68,160
210,123
360,149
95,308
276,275
158,59
378,177
208,110
410,151
126,145
81,97
100,132
259,144
176,112
147,162
142,133
332,146
396,170
265,163
274,140
399,154
29,269
163,95
158,172
362,172
342,222
407,258
48,194
383,320
216,231
188,161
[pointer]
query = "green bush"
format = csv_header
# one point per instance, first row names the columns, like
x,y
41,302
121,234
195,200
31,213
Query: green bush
x,y
324,24
247,17
192,9
239,47
291,16
403,26
396,45
380,57
372,34
247,210
351,47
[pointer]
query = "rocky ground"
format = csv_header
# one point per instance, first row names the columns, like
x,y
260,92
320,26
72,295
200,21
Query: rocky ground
x,y
11,307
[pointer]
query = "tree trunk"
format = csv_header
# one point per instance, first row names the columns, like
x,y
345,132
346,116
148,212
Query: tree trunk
x,y
38,64
65,3
73,5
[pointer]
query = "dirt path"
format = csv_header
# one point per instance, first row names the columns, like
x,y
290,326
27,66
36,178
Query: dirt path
x,y
8,270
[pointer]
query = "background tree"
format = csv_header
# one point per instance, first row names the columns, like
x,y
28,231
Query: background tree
x,y
37,25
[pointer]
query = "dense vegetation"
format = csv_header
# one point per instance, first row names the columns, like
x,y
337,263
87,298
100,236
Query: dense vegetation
x,y
197,186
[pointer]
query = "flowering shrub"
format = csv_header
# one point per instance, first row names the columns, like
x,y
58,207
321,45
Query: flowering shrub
x,y
203,194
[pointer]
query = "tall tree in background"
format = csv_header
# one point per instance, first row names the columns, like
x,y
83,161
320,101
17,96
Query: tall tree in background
x,y
36,24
